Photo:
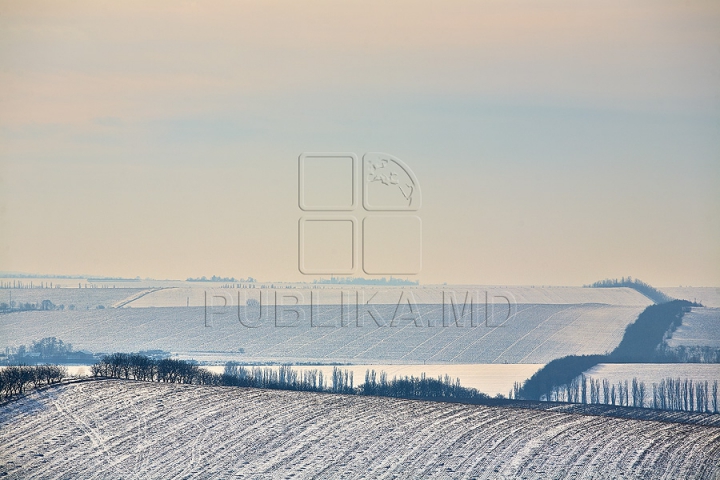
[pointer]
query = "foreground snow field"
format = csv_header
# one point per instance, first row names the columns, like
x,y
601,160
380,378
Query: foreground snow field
x,y
116,429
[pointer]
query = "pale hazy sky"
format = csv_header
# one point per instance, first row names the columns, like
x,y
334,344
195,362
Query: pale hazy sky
x,y
556,142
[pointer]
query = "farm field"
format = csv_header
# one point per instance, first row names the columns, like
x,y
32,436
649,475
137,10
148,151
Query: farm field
x,y
182,296
536,333
700,328
708,296
115,429
81,298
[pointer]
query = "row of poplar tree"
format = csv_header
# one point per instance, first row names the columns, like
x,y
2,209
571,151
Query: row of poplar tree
x,y
669,394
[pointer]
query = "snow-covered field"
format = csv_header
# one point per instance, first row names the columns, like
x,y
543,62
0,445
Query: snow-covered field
x,y
700,328
115,429
81,298
536,333
708,296
195,295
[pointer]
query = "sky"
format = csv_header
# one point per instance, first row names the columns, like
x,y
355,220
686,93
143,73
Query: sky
x,y
556,142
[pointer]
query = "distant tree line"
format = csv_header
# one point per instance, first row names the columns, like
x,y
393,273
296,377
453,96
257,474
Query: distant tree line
x,y
14,380
17,284
13,306
366,281
45,305
669,394
47,350
688,354
557,373
641,343
648,290
134,366
141,367
643,337
284,378
418,387
216,278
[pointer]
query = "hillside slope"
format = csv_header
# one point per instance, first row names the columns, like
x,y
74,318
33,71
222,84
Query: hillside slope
x,y
115,429
537,333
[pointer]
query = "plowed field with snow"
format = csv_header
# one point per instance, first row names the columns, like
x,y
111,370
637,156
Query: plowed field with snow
x,y
700,328
535,333
116,429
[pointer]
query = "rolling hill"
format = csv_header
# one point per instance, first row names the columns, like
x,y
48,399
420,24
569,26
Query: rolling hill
x,y
120,429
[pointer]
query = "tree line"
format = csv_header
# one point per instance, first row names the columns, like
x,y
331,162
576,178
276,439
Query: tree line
x,y
643,337
44,351
646,289
45,305
16,379
669,394
283,378
140,367
688,354
418,387
641,343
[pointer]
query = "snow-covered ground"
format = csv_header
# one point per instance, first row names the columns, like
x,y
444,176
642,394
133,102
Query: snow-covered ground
x,y
708,296
700,328
116,429
201,295
534,333
391,325
80,298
